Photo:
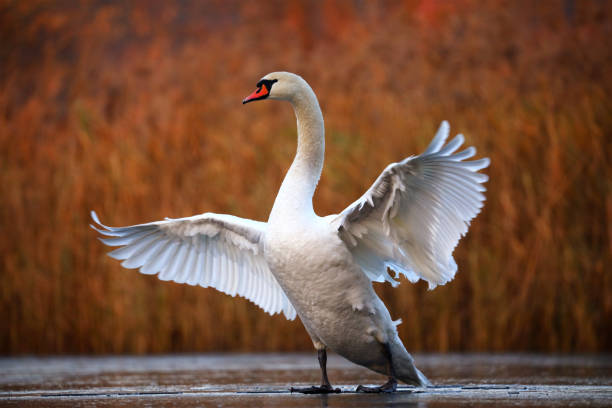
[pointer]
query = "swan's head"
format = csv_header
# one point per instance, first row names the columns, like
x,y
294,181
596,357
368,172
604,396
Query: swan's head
x,y
278,85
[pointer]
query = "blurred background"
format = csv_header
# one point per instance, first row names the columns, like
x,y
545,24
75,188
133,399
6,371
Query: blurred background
x,y
133,109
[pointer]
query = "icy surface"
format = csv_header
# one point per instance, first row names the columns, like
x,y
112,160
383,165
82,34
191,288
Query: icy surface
x,y
239,380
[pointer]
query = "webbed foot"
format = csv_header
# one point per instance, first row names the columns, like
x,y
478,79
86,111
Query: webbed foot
x,y
388,387
323,389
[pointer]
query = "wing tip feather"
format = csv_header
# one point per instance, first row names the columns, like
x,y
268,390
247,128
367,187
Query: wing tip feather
x,y
486,162
94,217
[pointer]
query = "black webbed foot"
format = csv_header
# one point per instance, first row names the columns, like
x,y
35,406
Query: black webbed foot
x,y
388,387
323,389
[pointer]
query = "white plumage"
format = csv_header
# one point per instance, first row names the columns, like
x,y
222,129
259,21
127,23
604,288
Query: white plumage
x,y
216,250
415,212
321,269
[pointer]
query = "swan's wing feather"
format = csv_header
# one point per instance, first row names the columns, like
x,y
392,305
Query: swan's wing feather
x,y
216,250
414,214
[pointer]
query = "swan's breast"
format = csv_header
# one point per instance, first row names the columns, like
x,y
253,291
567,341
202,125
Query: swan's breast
x,y
296,251
317,271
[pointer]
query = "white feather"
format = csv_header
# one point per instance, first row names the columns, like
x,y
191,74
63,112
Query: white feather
x,y
415,213
215,250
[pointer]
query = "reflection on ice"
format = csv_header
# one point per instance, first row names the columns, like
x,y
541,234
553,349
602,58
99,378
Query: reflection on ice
x,y
264,379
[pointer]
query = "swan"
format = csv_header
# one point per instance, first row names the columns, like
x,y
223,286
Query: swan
x,y
321,268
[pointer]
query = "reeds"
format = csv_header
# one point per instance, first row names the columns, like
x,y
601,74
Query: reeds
x,y
134,110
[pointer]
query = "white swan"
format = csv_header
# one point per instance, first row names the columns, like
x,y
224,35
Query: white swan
x,y
321,268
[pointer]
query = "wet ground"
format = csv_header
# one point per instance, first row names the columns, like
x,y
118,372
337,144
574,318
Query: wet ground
x,y
258,380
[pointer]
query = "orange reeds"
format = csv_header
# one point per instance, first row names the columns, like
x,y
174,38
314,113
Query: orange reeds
x,y
134,110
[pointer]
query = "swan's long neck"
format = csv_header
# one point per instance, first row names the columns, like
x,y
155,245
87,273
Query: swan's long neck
x,y
294,199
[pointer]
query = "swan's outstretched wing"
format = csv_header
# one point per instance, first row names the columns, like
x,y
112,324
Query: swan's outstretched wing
x,y
217,250
414,214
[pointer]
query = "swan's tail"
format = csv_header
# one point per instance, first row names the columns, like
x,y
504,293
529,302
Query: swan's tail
x,y
423,381
404,367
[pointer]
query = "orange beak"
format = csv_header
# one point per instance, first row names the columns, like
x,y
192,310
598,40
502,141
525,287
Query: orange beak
x,y
260,93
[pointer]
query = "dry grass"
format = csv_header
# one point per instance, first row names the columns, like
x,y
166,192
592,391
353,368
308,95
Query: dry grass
x,y
134,111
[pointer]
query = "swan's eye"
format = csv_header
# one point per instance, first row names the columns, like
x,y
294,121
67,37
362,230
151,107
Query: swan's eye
x,y
267,82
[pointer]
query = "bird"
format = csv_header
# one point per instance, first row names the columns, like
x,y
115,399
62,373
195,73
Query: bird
x,y
321,269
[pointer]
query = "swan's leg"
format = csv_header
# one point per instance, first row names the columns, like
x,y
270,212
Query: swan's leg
x,y
325,387
322,356
391,384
